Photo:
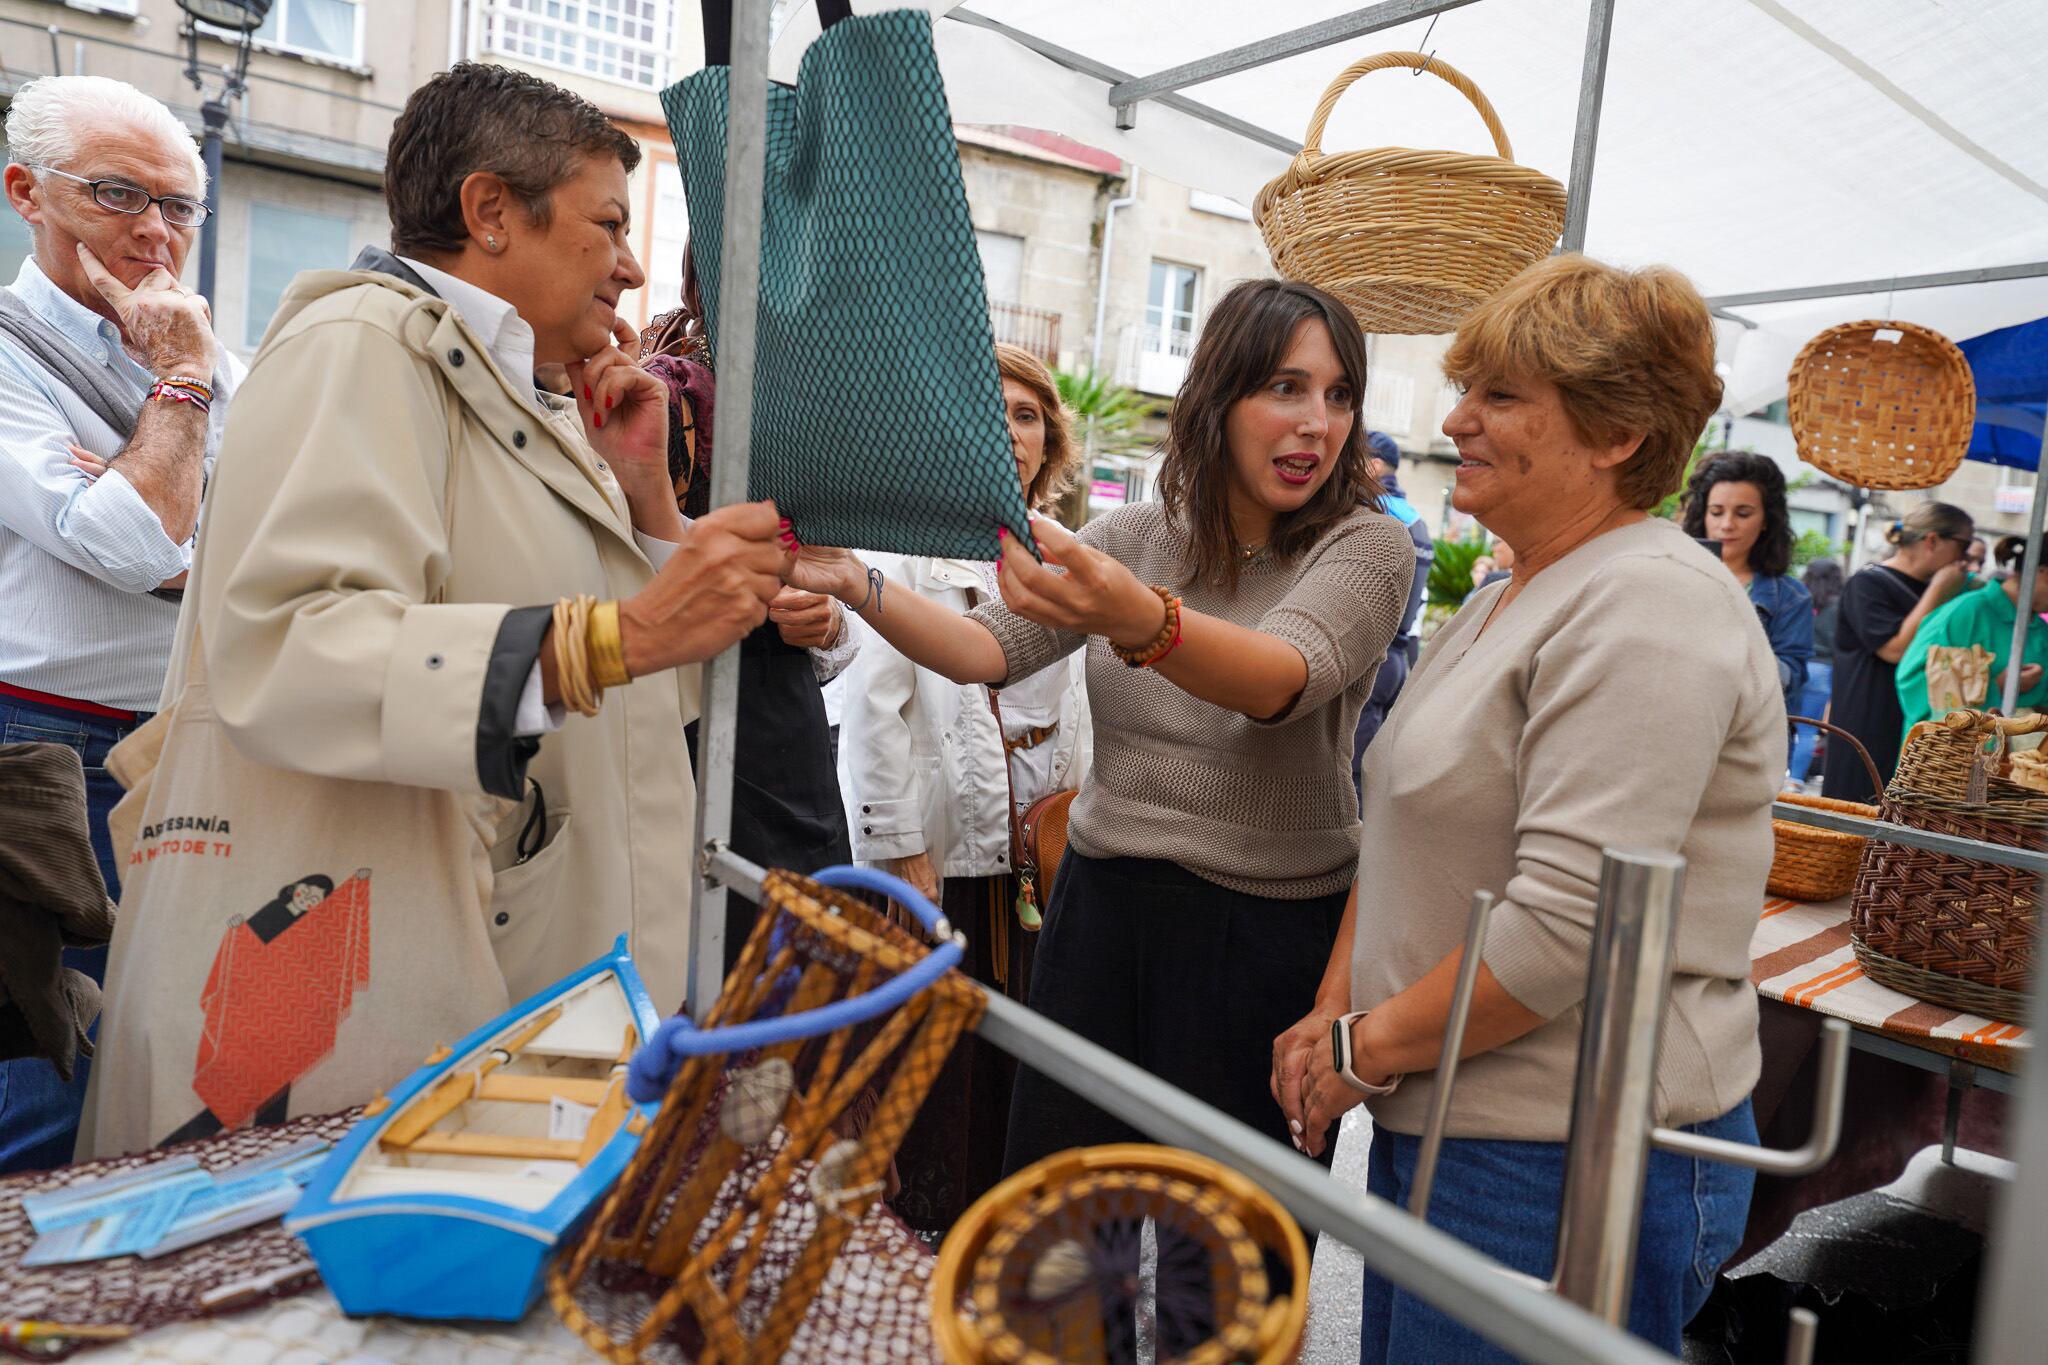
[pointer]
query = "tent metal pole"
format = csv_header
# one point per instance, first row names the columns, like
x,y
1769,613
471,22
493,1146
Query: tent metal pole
x,y
1513,1311
2027,606
1912,838
1586,136
1125,95
1109,75
1607,1155
1986,275
746,143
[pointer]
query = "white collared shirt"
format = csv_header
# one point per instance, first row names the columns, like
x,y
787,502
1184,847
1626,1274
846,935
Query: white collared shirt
x,y
509,338
78,557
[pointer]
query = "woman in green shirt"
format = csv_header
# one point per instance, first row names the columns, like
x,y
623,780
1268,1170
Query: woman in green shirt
x,y
1982,616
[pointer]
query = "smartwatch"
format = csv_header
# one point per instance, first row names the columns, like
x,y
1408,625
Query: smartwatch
x,y
1340,1054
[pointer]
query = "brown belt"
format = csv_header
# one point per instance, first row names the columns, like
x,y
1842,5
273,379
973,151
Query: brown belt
x,y
1030,739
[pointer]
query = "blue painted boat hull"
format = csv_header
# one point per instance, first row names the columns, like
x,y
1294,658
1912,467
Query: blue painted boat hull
x,y
442,1256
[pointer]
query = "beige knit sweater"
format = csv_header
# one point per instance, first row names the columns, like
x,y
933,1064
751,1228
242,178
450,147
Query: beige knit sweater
x,y
1627,697
1263,807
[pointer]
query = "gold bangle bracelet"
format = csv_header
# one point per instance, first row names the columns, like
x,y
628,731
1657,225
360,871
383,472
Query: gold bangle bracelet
x,y
607,647
572,656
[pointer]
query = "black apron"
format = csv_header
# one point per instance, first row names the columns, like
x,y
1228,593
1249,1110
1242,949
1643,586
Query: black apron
x,y
786,810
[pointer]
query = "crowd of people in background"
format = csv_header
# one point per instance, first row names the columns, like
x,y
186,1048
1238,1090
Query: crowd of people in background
x,y
431,653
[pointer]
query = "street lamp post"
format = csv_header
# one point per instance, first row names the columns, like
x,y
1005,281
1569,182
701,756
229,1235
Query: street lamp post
x,y
241,18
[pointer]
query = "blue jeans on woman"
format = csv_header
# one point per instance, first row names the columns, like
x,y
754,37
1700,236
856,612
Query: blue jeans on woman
x,y
39,1109
1502,1198
1820,681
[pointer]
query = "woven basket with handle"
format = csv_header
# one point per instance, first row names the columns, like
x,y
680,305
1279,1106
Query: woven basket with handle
x,y
1882,404
1812,864
1410,240
1945,928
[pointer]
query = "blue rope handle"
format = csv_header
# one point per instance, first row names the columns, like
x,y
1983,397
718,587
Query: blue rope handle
x,y
654,1066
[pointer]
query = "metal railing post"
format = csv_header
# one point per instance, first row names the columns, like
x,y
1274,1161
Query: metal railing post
x,y
746,142
1613,1104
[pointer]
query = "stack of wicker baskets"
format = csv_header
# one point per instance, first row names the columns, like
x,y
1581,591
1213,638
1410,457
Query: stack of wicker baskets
x,y
1410,240
1939,926
1814,864
1882,404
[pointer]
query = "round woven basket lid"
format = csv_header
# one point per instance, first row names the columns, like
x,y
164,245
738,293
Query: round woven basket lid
x,y
1410,240
1883,405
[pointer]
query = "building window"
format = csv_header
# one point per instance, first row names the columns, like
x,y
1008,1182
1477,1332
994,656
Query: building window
x,y
327,30
1002,265
668,232
628,41
1170,309
282,242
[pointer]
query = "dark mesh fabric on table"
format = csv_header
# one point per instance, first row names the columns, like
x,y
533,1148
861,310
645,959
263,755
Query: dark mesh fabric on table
x,y
129,1291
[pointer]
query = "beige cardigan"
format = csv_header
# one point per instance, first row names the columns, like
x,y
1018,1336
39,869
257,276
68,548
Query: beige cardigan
x,y
1627,697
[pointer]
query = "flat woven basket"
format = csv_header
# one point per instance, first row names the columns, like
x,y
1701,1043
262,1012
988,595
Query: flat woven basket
x,y
1948,929
1882,404
1813,864
1411,241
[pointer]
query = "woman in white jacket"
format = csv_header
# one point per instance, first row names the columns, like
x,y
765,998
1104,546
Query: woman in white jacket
x,y
935,775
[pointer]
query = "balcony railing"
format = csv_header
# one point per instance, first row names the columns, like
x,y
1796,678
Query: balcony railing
x,y
1034,329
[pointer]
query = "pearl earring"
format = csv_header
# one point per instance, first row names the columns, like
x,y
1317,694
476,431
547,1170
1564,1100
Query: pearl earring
x,y
491,242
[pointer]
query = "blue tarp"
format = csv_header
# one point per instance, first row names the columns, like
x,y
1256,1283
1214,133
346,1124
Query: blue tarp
x,y
2011,370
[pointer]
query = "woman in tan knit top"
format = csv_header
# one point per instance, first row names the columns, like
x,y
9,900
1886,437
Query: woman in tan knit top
x,y
1616,690
1232,632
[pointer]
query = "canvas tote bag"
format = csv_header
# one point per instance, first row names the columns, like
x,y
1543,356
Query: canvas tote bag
x,y
878,410
286,944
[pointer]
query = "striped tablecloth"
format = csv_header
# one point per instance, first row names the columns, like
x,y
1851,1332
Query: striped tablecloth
x,y
1801,955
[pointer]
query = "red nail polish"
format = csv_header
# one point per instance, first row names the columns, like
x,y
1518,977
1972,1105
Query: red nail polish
x,y
784,523
600,419
608,402
586,392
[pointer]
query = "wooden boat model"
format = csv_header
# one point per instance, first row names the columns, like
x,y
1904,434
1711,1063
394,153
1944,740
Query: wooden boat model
x,y
449,1196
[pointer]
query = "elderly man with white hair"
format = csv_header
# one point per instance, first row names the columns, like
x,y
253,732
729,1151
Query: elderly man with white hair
x,y
112,399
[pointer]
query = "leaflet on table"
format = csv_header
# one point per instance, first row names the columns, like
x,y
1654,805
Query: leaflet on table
x,y
164,1207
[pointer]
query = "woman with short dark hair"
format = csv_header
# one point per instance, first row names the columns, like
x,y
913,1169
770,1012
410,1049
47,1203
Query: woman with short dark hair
x,y
1232,632
413,562
1737,499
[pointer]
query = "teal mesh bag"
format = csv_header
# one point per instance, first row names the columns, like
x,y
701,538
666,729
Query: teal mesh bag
x,y
878,410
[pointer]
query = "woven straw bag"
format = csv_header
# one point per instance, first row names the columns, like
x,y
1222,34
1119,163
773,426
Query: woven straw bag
x,y
1950,929
1882,404
1411,241
1813,864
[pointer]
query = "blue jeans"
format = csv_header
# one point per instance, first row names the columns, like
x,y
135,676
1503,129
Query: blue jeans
x,y
38,1108
1502,1198
1820,681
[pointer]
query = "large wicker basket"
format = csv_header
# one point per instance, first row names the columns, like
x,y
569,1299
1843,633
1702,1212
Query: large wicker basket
x,y
1411,240
1813,864
1882,404
1945,928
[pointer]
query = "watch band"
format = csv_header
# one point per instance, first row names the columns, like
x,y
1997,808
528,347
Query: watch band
x,y
1340,1054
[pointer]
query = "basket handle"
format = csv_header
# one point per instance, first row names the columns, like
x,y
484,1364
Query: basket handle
x,y
1869,766
1414,61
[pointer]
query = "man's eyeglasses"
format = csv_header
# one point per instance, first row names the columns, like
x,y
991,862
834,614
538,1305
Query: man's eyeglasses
x,y
178,211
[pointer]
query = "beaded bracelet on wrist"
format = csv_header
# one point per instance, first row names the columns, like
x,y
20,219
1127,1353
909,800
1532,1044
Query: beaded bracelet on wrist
x,y
1161,644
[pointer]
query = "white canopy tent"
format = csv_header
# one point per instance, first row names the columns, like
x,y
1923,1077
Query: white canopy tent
x,y
1765,147
1757,145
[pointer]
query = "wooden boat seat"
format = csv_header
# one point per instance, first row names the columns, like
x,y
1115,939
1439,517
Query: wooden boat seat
x,y
495,1144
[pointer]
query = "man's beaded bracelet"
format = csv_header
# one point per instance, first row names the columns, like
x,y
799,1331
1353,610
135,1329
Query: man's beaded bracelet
x,y
1160,645
166,391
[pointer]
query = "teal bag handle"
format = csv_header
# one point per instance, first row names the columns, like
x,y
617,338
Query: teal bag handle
x,y
878,410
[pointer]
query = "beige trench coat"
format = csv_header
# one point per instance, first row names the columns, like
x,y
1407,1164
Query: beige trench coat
x,y
384,497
